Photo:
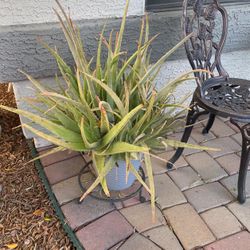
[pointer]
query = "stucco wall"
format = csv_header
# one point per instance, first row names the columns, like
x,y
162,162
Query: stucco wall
x,y
19,48
16,12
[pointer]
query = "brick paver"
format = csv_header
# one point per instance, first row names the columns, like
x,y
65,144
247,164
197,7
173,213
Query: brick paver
x,y
128,225
185,178
239,241
64,169
168,194
127,203
117,246
242,212
105,232
221,129
90,209
188,226
202,119
221,222
132,201
159,166
206,166
208,196
237,137
187,151
230,163
231,184
232,126
224,119
137,241
181,161
199,137
226,144
140,216
56,157
164,238
67,190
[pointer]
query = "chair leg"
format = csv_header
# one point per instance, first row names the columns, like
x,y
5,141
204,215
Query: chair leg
x,y
243,173
245,132
192,116
209,124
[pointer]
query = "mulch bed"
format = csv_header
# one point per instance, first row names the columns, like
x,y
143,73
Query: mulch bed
x,y
27,220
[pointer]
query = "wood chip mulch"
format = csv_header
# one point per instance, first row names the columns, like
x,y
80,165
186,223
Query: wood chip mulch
x,y
27,220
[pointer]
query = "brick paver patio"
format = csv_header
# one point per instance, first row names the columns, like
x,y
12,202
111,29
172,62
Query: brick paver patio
x,y
196,201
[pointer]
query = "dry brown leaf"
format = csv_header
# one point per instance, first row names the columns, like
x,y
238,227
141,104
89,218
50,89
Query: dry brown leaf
x,y
47,219
11,246
38,212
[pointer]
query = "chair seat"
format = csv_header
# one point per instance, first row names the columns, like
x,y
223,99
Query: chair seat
x,y
229,98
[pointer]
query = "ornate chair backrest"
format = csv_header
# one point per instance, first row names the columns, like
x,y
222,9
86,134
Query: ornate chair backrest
x,y
202,49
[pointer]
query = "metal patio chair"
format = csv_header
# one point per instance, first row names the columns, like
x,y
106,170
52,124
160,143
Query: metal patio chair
x,y
216,94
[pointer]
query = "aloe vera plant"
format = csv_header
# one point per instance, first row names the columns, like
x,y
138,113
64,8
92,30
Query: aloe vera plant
x,y
112,110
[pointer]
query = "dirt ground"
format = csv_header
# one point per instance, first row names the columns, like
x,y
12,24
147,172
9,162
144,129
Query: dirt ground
x,y
27,220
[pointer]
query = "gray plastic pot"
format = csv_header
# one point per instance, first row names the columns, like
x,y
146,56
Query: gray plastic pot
x,y
116,178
